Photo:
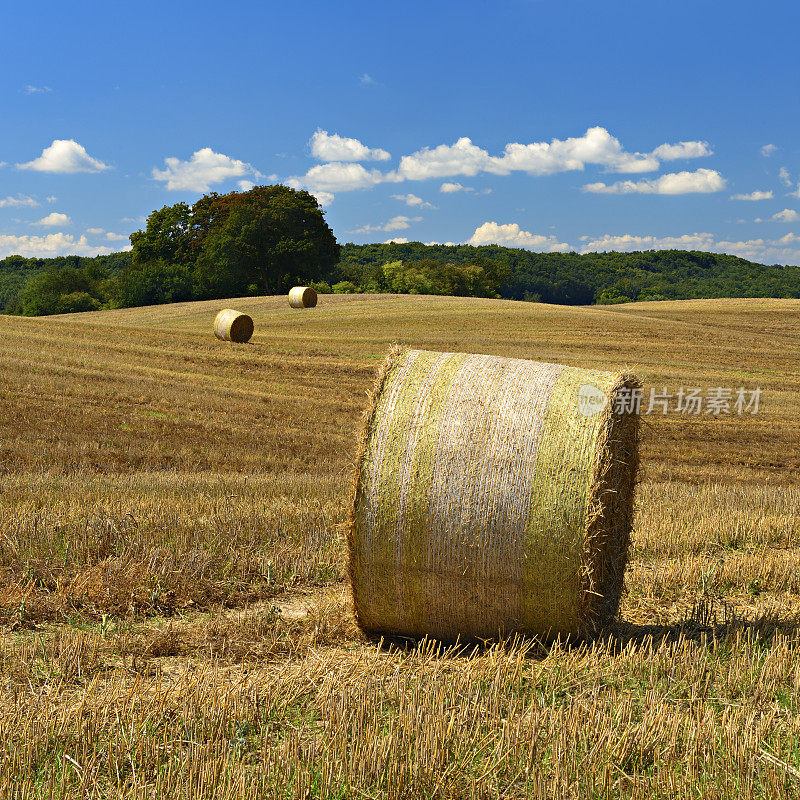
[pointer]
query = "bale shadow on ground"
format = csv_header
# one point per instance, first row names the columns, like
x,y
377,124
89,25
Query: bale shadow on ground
x,y
711,623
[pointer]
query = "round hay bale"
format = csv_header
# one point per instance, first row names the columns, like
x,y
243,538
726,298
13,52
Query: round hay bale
x,y
233,326
492,496
302,297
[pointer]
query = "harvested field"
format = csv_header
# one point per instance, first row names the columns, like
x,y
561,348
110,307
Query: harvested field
x,y
174,613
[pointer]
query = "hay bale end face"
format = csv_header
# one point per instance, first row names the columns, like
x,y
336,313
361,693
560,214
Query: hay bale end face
x,y
492,496
233,326
302,297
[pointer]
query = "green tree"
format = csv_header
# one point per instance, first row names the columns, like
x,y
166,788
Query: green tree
x,y
167,237
271,236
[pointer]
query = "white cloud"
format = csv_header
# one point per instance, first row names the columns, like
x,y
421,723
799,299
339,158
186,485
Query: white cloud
x,y
367,80
339,177
511,235
324,198
116,237
768,149
65,156
784,176
51,198
449,188
397,240
19,200
412,200
95,231
203,169
629,243
48,246
245,186
785,250
596,146
671,152
54,219
461,158
756,195
701,181
787,215
29,89
398,223
332,147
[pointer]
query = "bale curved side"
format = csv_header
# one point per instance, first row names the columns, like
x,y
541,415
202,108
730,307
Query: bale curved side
x,y
233,326
609,516
484,503
302,297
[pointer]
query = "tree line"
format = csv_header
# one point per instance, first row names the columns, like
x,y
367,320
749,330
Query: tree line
x,y
270,238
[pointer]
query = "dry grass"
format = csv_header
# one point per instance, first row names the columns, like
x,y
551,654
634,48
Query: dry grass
x,y
172,606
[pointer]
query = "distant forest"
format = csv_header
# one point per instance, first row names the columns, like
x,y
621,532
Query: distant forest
x,y
66,284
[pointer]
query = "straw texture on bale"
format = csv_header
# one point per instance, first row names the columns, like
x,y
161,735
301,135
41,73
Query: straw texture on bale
x,y
486,502
233,326
302,297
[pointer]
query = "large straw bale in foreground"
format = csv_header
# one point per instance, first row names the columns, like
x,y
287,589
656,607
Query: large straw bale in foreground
x,y
302,297
492,496
233,326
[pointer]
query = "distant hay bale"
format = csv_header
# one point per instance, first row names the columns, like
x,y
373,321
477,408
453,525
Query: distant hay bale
x,y
302,297
492,496
233,326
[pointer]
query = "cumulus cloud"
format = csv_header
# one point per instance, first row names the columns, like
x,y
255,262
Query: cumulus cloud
x,y
397,240
49,245
332,147
511,235
671,152
787,215
785,250
398,223
461,158
785,178
339,176
342,172
597,146
323,198
19,200
245,185
203,169
54,219
95,231
629,243
65,156
768,149
116,237
756,195
412,200
51,198
701,181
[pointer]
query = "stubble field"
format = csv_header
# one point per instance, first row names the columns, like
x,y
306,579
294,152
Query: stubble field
x,y
174,616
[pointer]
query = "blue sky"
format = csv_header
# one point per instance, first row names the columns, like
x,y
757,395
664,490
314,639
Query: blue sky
x,y
553,126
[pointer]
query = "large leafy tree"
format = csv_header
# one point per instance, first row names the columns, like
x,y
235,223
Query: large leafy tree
x,y
261,240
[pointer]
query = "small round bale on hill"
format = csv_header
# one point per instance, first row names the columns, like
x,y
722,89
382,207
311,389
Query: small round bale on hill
x,y
233,326
302,297
492,496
